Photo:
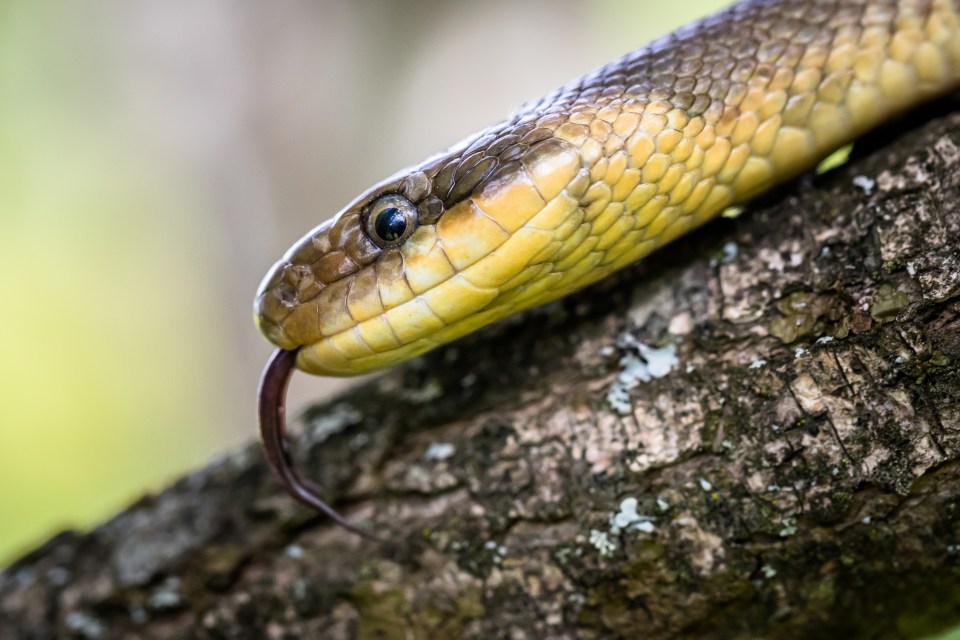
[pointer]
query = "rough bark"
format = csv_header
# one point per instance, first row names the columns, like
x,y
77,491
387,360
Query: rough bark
x,y
786,463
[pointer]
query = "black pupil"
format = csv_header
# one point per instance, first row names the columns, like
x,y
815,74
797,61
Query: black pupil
x,y
390,224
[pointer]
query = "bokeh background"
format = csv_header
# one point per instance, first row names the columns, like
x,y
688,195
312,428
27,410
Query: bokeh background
x,y
156,156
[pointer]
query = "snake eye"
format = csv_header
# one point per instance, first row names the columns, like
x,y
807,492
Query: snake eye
x,y
390,220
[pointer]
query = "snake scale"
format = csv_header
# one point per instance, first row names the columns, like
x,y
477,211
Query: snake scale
x,y
592,177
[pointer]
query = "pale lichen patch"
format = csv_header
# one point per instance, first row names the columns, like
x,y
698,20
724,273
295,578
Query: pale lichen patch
x,y
438,451
627,518
600,540
867,185
642,364
338,418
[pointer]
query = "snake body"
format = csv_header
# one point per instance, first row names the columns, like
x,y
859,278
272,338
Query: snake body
x,y
600,173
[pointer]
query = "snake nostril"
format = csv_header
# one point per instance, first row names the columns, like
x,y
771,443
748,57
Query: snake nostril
x,y
294,285
287,294
300,283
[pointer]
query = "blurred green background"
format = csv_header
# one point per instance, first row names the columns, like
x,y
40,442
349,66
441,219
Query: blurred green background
x,y
157,155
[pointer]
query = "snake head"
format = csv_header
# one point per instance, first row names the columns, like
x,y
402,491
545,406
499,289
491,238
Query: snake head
x,y
430,254
326,283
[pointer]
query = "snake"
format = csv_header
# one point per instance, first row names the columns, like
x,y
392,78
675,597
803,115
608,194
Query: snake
x,y
589,179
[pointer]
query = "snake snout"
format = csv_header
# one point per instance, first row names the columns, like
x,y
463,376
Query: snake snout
x,y
302,299
282,296
275,333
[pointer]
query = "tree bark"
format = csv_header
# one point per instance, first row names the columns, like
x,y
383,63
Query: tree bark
x,y
753,433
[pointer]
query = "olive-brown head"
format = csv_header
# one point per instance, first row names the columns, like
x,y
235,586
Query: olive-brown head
x,y
426,256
